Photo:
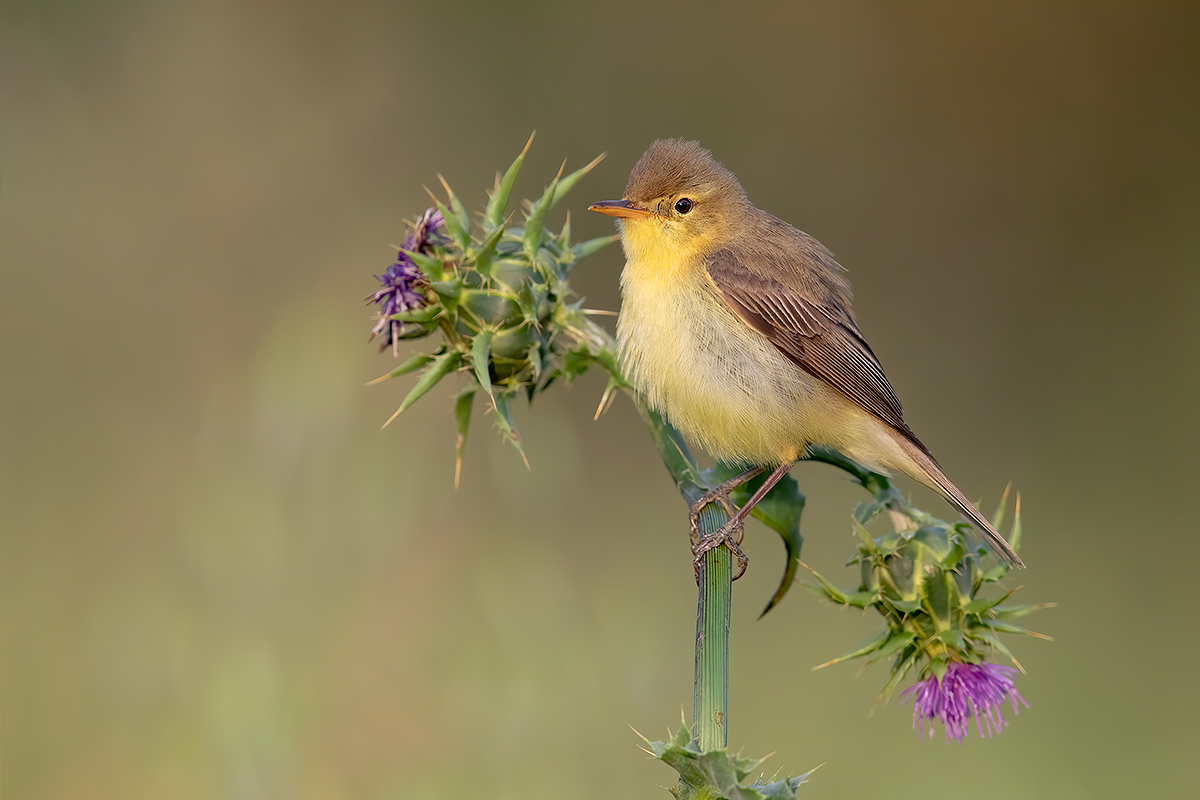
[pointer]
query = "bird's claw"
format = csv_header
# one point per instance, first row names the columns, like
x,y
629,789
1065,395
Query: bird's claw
x,y
719,496
732,531
730,534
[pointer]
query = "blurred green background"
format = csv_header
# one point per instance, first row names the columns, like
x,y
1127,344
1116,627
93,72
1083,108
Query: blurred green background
x,y
221,579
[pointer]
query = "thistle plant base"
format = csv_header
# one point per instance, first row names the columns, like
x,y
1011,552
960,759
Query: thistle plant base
x,y
707,774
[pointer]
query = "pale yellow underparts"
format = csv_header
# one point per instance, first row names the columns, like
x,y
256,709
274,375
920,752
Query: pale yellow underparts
x,y
716,379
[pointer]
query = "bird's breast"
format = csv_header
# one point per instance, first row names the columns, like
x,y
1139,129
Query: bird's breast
x,y
722,384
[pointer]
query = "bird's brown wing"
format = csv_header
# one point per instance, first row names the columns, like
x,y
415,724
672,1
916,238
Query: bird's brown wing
x,y
821,340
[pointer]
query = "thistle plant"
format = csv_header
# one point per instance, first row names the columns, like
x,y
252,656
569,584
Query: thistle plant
x,y
499,296
493,295
927,582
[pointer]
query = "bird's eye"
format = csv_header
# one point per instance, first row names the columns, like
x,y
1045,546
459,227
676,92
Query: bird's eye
x,y
683,205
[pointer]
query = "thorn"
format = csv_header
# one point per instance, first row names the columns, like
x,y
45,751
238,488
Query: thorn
x,y
560,169
606,401
445,186
432,196
392,417
380,379
525,149
595,161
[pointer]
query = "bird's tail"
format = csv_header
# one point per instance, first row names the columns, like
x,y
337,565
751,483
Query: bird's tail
x,y
929,473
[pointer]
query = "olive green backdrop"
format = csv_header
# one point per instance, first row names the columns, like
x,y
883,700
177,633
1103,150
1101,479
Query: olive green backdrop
x,y
222,580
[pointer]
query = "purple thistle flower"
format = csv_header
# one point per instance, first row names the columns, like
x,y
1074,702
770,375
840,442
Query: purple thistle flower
x,y
965,691
401,282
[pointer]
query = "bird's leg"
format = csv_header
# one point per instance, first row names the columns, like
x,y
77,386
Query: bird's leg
x,y
725,535
720,495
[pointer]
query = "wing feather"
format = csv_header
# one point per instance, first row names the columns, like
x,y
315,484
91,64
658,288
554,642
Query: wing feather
x,y
820,339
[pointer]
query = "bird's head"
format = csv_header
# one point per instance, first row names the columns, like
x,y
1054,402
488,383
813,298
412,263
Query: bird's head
x,y
678,199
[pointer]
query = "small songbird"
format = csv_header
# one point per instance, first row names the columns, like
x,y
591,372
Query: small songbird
x,y
738,328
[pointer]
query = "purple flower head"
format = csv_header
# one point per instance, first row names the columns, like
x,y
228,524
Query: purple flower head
x,y
401,281
965,691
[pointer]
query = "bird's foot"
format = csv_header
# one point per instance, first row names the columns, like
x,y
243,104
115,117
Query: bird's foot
x,y
729,534
720,496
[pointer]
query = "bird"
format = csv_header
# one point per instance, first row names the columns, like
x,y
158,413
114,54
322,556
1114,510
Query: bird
x,y
738,328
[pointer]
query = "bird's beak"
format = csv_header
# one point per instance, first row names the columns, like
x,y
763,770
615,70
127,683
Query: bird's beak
x,y
621,208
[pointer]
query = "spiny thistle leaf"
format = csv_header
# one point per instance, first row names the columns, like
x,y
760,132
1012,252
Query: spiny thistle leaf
x,y
563,240
872,646
494,213
411,365
460,216
535,224
459,232
462,421
427,314
433,268
780,511
1022,610
504,422
1015,536
585,249
569,182
717,773
481,350
998,517
487,251
440,367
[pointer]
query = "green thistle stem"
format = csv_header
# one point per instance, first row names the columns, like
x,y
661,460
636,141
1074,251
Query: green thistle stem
x,y
710,707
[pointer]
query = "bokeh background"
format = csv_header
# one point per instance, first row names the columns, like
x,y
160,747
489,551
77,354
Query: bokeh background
x,y
221,579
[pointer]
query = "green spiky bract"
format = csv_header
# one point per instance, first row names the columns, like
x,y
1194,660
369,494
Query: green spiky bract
x,y
499,294
926,580
710,774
